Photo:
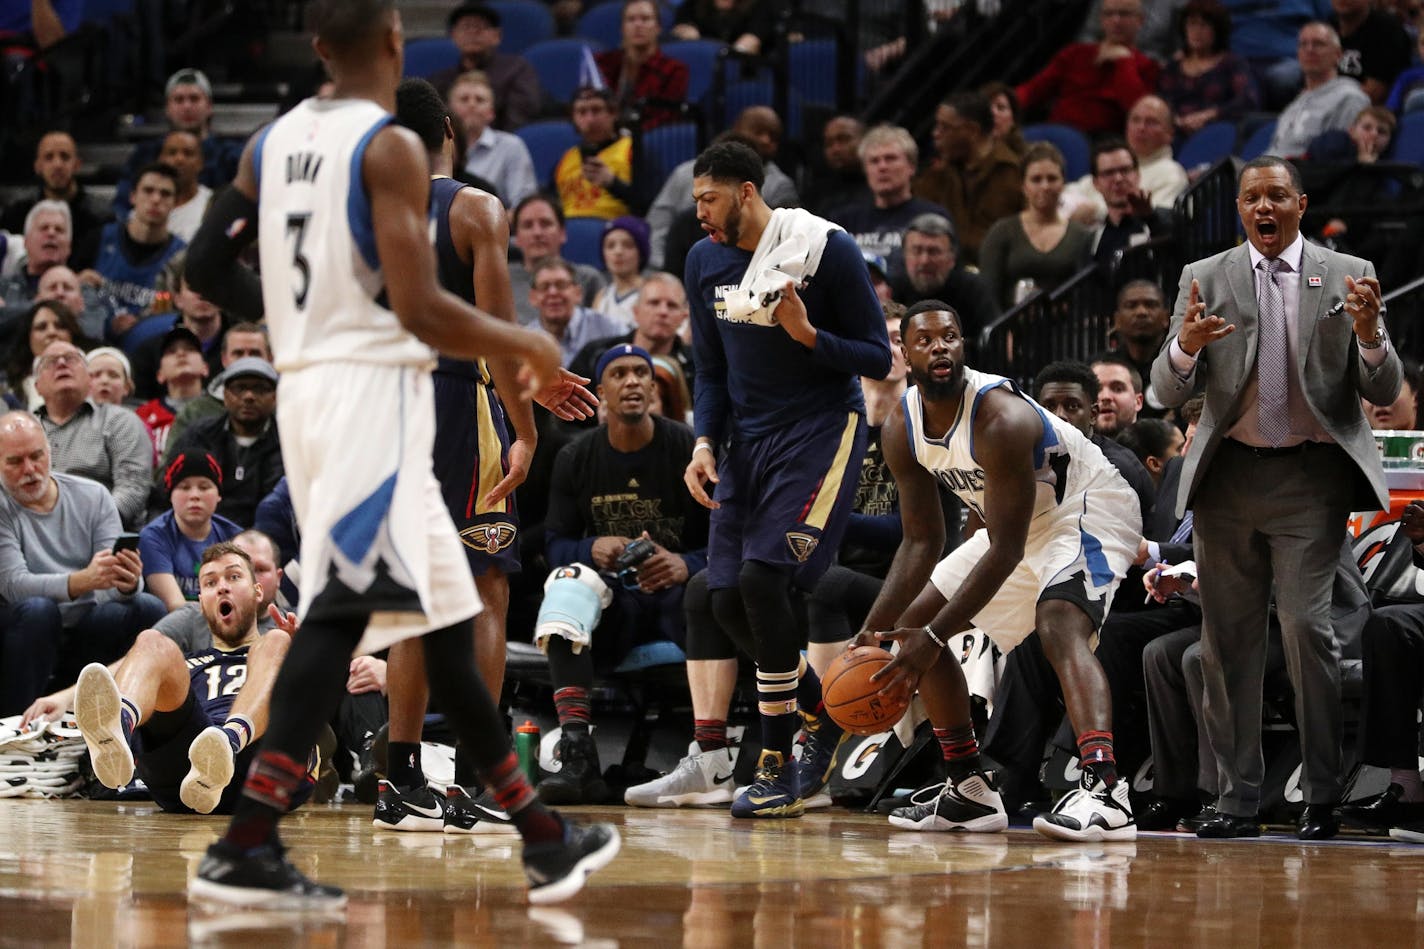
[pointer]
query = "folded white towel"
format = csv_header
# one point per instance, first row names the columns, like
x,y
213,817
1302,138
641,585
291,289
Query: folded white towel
x,y
790,249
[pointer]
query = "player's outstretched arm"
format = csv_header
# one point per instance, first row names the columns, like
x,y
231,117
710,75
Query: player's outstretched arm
x,y
397,180
230,225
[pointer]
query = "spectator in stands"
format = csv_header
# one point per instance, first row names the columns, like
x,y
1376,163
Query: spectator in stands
x,y
1139,329
880,278
92,308
757,126
595,177
1119,394
68,598
193,313
973,176
110,376
1004,107
1328,101
641,77
172,544
624,249
104,443
658,314
1375,46
188,104
47,244
1409,81
612,487
241,341
748,26
1205,82
183,152
181,371
243,438
554,290
933,272
538,233
1401,415
1090,86
1149,137
889,156
839,178
1038,248
1131,218
132,252
39,22
501,158
1155,442
474,29
44,322
56,165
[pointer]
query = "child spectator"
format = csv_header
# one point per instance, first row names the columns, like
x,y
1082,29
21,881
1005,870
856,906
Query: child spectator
x,y
625,254
181,371
171,546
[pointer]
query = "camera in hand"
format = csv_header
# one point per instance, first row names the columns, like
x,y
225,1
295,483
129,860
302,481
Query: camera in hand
x,y
626,566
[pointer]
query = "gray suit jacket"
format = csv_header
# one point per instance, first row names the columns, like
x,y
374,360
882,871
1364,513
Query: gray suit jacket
x,y
1333,374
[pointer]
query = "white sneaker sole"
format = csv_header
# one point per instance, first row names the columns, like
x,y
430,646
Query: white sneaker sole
x,y
412,823
714,798
1091,834
97,712
988,824
211,758
563,889
205,891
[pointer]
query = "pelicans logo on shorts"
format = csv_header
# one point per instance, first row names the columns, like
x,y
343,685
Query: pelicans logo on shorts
x,y
490,538
802,545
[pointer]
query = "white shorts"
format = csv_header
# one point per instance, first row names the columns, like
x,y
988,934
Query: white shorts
x,y
376,537
1079,554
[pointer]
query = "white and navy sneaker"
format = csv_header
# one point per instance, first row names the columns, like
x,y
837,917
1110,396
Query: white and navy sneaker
x,y
556,871
474,815
970,804
418,810
260,877
701,779
98,713
211,766
1092,811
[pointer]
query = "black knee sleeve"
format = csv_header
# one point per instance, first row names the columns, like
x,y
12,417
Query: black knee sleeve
x,y
766,595
727,632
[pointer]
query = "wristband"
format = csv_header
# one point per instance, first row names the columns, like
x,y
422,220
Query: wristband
x,y
931,634
702,445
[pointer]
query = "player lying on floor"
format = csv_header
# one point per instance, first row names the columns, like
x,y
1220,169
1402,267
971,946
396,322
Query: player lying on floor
x,y
188,724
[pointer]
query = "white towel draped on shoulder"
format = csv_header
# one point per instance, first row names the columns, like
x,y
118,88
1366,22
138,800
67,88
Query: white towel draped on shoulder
x,y
790,249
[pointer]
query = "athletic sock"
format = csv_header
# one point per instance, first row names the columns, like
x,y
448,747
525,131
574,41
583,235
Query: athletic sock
x,y
266,796
710,733
403,768
960,750
1408,779
776,700
128,715
571,702
808,691
239,732
1095,754
515,796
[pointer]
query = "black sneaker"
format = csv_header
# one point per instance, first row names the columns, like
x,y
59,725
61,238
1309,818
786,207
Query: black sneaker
x,y
474,815
260,877
580,780
418,809
557,871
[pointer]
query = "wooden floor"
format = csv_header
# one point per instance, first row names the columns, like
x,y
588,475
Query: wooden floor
x,y
97,874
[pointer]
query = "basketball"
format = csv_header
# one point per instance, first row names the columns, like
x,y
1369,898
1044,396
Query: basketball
x,y
852,700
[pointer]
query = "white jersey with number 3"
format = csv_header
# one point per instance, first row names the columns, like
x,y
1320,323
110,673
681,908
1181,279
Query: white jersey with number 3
x,y
322,283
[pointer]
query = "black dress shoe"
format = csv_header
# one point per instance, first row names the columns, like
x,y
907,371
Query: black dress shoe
x,y
1223,826
1163,813
1192,824
1383,811
1318,822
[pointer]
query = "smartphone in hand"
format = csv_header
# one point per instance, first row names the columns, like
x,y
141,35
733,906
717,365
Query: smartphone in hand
x,y
126,542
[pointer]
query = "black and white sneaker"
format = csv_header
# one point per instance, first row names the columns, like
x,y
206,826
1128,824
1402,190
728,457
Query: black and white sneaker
x,y
558,870
971,805
418,810
260,877
474,815
1092,811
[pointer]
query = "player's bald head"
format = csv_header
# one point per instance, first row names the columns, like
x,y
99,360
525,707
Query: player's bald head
x,y
347,27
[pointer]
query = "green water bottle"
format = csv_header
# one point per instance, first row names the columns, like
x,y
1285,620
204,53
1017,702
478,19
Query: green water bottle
x,y
526,747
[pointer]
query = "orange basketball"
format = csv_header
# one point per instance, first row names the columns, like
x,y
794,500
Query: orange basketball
x,y
852,700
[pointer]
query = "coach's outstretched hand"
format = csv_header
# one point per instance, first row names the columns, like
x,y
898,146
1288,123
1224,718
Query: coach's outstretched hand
x,y
1198,329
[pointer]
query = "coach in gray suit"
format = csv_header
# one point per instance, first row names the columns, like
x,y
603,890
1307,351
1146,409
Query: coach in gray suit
x,y
1282,454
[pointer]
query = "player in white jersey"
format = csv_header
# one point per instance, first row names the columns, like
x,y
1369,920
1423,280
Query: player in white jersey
x,y
1060,528
342,191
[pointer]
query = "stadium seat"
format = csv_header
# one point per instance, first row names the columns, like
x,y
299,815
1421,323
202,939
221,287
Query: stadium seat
x,y
603,23
667,146
427,56
1071,142
1208,145
547,142
812,71
522,23
558,62
585,243
762,91
701,57
1257,142
1409,139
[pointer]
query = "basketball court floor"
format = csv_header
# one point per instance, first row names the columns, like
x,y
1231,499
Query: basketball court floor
x,y
78,873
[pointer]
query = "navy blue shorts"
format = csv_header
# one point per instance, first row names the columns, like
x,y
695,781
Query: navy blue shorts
x,y
470,457
786,498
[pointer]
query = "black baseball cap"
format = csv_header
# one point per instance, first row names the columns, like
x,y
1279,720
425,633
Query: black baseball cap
x,y
484,11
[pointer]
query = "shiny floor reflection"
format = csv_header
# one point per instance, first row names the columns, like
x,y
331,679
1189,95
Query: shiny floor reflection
x,y
93,874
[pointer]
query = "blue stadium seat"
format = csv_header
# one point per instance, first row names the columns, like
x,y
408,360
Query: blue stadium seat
x,y
761,91
1257,142
1409,139
426,56
701,57
603,23
547,142
557,61
1208,145
813,70
667,146
585,243
522,23
1071,142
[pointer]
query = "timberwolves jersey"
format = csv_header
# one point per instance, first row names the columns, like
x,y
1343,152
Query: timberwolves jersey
x,y
1065,463
321,278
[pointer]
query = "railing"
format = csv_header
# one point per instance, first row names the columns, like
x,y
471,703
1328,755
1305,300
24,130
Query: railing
x,y
1206,218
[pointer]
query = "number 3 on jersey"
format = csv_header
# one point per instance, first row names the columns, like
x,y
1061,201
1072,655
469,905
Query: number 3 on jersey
x,y
297,229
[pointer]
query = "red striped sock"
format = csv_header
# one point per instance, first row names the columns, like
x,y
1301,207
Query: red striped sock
x,y
513,793
959,748
710,733
571,702
1095,753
